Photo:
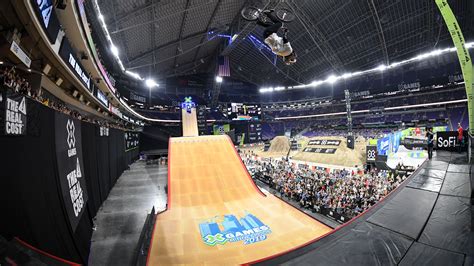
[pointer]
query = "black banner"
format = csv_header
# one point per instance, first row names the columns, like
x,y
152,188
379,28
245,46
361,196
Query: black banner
x,y
371,153
320,150
102,98
255,132
67,54
15,113
2,108
44,10
410,142
449,140
131,140
202,120
294,145
324,142
70,166
334,215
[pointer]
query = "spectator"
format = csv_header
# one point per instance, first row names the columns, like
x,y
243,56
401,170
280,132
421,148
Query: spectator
x,y
460,137
341,191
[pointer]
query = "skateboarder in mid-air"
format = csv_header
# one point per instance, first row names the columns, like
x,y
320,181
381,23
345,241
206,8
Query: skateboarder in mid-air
x,y
279,45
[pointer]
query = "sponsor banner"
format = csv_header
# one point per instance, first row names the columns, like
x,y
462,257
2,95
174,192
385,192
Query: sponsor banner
x,y
102,98
324,142
115,110
266,146
405,86
67,54
463,54
448,140
294,145
131,140
90,41
320,150
411,142
455,78
44,10
71,167
383,145
15,113
137,97
220,129
254,132
103,131
202,120
16,49
226,229
371,153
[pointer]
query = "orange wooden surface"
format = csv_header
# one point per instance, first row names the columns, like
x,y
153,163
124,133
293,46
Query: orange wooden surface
x,y
207,179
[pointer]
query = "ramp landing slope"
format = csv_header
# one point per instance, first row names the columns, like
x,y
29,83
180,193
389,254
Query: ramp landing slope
x,y
217,215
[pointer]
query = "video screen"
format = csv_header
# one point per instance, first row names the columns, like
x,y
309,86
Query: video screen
x,y
240,111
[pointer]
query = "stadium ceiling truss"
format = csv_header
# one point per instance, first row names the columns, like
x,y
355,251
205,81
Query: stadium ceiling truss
x,y
166,38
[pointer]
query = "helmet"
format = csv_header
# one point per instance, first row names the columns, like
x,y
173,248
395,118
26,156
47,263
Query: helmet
x,y
290,59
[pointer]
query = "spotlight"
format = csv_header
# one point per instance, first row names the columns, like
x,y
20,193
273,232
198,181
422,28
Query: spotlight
x,y
332,79
151,83
219,79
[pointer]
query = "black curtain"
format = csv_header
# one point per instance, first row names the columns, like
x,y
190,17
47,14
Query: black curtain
x,y
32,205
91,167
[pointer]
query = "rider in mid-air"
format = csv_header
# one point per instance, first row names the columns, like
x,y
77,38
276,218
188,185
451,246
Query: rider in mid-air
x,y
279,45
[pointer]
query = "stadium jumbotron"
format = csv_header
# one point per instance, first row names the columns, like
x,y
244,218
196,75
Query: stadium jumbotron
x,y
232,132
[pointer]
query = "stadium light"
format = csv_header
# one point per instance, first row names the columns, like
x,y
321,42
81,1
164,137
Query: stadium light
x,y
133,74
219,79
151,83
332,79
382,68
114,50
346,75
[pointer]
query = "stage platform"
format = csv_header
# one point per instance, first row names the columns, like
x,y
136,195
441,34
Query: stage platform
x,y
427,221
217,215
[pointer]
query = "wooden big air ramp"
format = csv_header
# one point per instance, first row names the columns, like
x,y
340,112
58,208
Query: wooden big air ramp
x,y
217,215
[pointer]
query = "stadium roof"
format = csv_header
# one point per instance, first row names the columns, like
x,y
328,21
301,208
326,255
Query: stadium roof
x,y
163,38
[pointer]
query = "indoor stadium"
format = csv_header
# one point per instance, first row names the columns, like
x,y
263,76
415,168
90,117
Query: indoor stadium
x,y
236,132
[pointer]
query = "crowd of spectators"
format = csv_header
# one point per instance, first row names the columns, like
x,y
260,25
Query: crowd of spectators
x,y
10,78
346,192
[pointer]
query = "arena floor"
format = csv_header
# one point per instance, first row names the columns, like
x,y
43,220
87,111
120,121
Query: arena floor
x,y
213,205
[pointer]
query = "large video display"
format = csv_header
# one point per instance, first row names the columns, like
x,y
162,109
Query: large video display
x,y
241,111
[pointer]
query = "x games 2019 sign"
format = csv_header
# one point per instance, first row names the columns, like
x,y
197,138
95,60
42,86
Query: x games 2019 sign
x,y
228,228
70,167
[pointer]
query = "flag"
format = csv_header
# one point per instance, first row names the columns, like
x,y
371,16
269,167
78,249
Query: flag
x,y
223,66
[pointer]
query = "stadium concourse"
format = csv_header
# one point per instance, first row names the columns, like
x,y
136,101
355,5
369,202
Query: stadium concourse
x,y
263,132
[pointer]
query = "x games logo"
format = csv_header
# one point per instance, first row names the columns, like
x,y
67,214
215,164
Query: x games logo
x,y
71,138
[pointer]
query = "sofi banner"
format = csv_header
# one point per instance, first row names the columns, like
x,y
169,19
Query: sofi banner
x,y
448,140
70,167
